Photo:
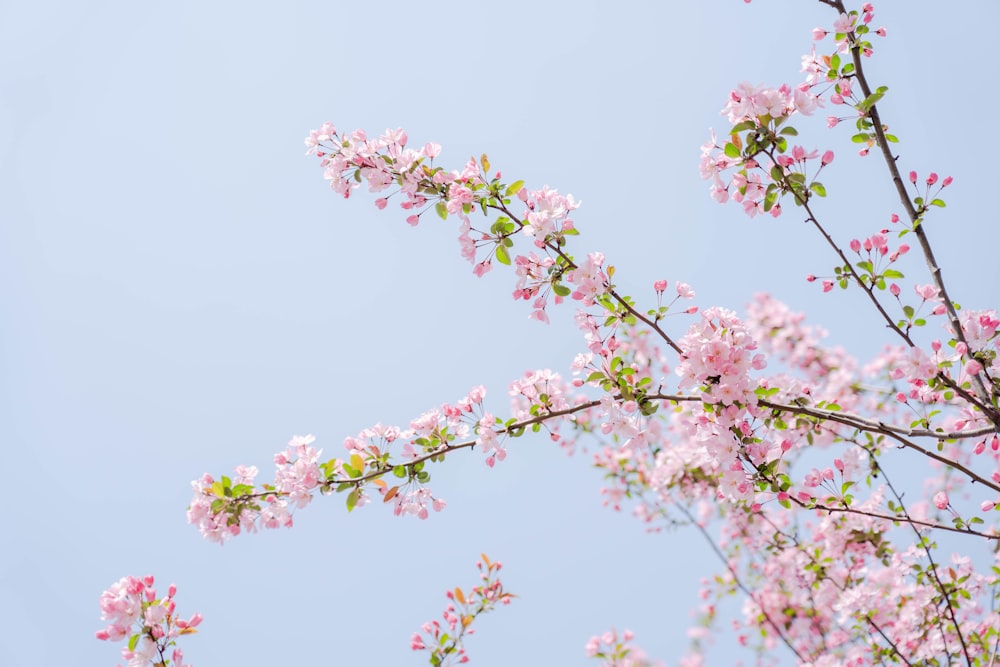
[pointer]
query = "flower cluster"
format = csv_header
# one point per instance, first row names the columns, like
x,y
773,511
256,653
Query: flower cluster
x,y
444,641
615,651
150,623
224,508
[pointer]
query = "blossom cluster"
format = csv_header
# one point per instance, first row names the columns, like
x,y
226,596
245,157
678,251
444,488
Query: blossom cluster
x,y
444,642
616,651
132,610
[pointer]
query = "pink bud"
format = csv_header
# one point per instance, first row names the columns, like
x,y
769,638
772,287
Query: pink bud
x,y
941,500
855,245
894,289
932,179
660,285
913,177
946,182
827,158
973,367
987,506
838,464
818,34
831,121
894,218
810,278
381,202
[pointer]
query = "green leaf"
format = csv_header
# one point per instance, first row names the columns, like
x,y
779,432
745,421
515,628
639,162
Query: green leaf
x,y
892,273
561,290
352,500
357,463
731,150
938,202
818,188
789,131
871,100
399,471
442,209
513,188
502,255
133,641
860,138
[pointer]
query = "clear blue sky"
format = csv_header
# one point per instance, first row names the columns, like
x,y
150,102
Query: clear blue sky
x,y
180,293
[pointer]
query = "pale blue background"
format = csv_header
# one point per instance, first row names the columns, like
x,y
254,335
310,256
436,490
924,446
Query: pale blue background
x,y
180,293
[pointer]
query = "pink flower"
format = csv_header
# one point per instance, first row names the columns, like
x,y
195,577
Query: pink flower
x,y
941,500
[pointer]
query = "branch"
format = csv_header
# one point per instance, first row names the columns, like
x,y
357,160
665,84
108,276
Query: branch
x,y
894,432
911,212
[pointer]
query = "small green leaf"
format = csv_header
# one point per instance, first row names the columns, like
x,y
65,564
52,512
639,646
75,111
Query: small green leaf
x,y
860,138
561,290
892,273
789,131
938,202
513,188
731,150
442,209
818,188
352,500
502,255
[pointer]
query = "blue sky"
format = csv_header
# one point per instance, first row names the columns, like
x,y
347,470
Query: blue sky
x,y
182,294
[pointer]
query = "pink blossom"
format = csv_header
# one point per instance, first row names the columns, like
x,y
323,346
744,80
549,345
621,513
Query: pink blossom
x,y
941,500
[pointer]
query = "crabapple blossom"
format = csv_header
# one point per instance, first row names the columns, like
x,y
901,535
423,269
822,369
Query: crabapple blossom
x,y
152,624
779,449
